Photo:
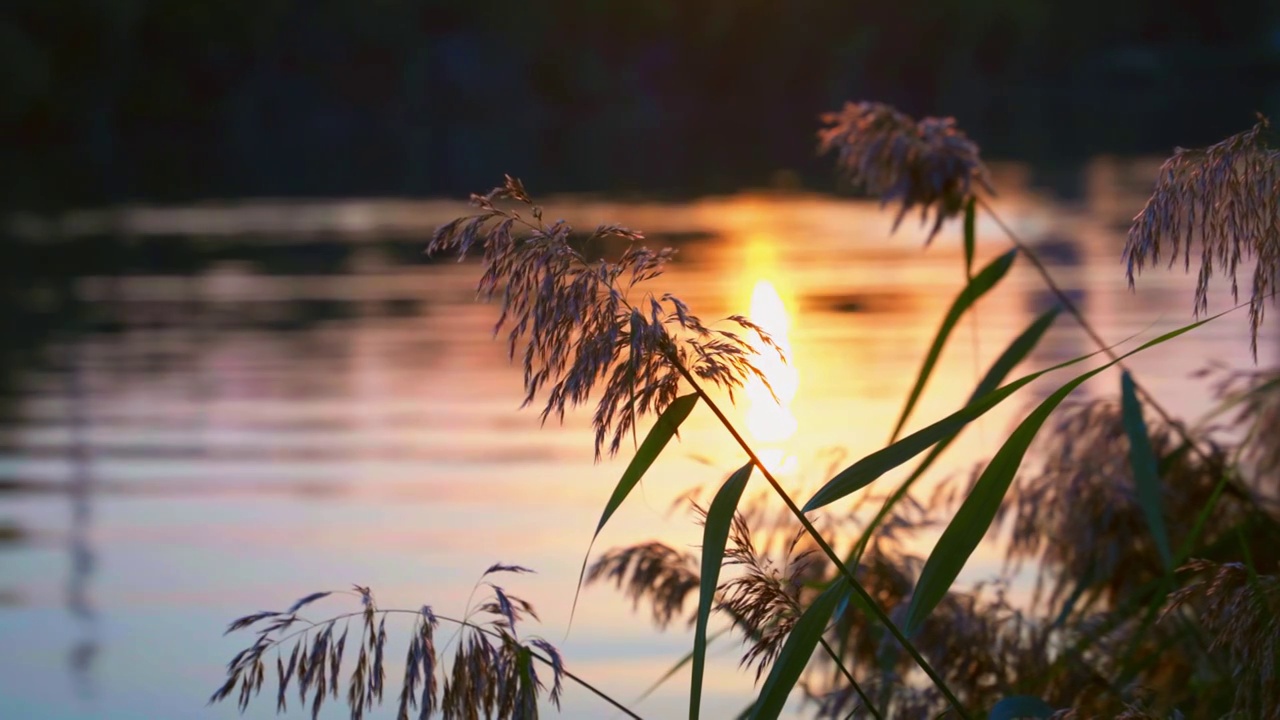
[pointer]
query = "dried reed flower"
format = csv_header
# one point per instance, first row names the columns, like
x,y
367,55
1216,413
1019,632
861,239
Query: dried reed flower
x,y
1240,613
929,163
580,324
650,571
493,672
765,599
1078,515
1228,192
1257,394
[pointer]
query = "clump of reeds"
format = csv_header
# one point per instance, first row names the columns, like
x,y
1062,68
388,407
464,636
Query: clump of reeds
x,y
1090,642
1087,473
1226,198
991,646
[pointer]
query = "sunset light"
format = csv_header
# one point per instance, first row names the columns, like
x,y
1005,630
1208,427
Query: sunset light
x,y
770,420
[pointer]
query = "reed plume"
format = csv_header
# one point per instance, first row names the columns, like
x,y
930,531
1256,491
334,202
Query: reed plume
x,y
580,323
1226,198
928,163
493,674
1239,611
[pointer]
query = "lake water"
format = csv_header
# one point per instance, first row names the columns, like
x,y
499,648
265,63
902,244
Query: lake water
x,y
314,406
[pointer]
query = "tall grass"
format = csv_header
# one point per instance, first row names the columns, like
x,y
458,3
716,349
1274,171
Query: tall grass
x,y
1154,541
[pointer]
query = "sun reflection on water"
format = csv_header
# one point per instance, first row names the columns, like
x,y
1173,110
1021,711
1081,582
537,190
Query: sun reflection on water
x,y
769,417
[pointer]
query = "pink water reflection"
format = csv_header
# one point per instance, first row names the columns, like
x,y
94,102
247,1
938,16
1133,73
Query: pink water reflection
x,y
243,458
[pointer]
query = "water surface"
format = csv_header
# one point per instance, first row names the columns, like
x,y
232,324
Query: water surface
x,y
309,404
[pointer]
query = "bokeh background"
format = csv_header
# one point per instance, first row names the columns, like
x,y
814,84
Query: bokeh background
x,y
122,100
229,378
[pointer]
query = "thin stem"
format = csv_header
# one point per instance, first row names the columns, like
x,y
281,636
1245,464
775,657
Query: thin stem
x,y
462,624
1053,286
866,701
879,614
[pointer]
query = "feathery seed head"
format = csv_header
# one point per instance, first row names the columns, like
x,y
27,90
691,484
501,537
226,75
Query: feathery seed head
x,y
1227,195
582,323
1240,613
930,163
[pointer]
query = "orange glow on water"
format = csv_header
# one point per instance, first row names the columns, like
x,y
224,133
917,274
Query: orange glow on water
x,y
769,417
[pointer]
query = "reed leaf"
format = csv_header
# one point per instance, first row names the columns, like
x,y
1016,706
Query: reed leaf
x,y
980,285
715,533
796,651
975,515
1146,477
871,467
1016,352
666,427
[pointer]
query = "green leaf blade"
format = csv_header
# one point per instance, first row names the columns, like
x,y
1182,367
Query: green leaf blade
x,y
1015,353
660,434
796,651
666,427
1146,476
973,519
981,283
871,467
715,534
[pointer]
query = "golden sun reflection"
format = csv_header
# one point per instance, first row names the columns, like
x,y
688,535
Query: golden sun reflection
x,y
769,417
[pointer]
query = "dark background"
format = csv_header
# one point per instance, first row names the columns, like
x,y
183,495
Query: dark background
x,y
110,101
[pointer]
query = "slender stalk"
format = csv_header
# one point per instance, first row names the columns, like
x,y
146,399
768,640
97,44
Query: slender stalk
x,y
826,548
866,701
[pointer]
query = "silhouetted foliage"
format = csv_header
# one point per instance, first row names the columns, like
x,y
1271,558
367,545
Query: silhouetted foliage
x,y
111,100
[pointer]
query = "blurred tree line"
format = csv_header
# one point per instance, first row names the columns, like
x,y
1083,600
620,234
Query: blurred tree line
x,y
169,100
